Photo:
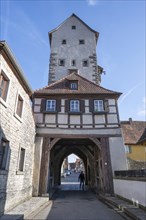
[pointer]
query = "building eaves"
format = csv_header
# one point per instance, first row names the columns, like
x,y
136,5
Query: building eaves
x,y
5,50
55,29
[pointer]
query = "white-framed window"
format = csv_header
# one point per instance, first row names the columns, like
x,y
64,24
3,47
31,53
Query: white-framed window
x,y
74,106
98,105
51,105
61,62
74,85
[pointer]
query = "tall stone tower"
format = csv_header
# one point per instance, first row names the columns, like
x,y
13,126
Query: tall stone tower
x,y
73,49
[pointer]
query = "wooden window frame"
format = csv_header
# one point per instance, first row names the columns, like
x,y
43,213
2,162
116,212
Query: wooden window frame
x,y
4,85
51,105
74,105
19,107
99,105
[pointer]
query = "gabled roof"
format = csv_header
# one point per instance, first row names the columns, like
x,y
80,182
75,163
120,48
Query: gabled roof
x,y
132,131
7,53
73,15
85,86
142,138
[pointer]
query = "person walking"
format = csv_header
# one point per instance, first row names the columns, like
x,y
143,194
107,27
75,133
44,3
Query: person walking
x,y
81,178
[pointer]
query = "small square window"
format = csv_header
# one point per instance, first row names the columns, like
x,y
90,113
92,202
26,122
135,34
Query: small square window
x,y
85,63
73,86
64,41
61,62
81,42
4,83
73,27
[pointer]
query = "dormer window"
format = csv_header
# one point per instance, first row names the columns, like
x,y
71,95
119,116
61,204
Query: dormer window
x,y
73,85
81,42
63,41
73,27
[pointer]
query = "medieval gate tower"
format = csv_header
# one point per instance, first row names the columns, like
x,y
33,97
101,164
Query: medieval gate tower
x,y
74,114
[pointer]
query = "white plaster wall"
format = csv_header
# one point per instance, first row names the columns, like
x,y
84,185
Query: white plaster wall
x,y
112,118
38,117
112,109
37,101
132,190
117,153
99,119
111,102
50,118
62,118
37,108
87,119
75,119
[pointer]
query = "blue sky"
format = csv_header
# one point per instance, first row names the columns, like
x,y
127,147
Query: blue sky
x,y
120,49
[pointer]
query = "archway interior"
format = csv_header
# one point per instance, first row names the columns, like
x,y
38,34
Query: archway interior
x,y
83,148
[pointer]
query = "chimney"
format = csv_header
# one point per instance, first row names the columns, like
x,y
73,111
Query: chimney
x,y
130,120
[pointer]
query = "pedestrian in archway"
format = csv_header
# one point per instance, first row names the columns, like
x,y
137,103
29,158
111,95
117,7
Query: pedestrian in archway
x,y
81,178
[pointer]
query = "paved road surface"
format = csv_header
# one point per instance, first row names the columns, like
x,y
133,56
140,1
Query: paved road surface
x,y
70,203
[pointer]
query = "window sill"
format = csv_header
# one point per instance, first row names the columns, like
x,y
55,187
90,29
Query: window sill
x,y
19,172
3,102
99,112
18,118
75,113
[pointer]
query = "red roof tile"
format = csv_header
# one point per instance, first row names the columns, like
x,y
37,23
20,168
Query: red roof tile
x,y
132,131
84,87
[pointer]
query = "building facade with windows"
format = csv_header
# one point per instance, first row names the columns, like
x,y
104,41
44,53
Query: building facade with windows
x,y
73,49
17,132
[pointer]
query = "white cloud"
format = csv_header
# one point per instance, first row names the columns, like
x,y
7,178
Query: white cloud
x,y
92,2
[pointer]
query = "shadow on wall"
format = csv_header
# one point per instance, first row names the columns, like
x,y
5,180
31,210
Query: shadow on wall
x,y
5,154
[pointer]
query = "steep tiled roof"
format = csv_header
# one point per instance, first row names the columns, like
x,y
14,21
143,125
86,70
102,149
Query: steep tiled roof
x,y
142,138
132,131
84,87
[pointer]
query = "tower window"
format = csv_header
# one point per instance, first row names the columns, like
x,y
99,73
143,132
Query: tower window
x,y
63,41
61,62
81,42
73,27
85,63
73,63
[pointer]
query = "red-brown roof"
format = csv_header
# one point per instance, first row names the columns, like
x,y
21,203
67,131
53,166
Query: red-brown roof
x,y
132,131
85,86
142,138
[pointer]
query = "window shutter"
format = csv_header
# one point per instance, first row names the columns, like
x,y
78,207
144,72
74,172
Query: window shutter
x,y
58,105
106,105
82,105
91,105
43,105
66,105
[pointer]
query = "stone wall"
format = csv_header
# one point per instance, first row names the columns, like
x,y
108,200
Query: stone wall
x,y
19,132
